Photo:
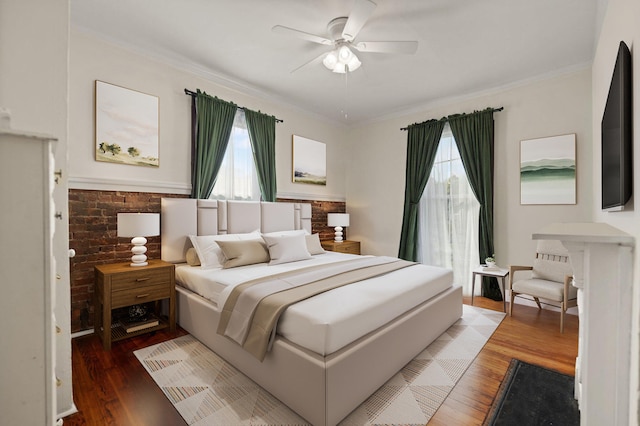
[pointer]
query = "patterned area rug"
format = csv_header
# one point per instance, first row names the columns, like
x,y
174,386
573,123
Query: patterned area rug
x,y
208,391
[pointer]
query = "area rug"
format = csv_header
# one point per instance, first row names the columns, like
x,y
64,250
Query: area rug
x,y
206,390
533,395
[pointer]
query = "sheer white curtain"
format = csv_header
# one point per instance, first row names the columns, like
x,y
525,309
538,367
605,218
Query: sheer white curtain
x,y
448,216
237,178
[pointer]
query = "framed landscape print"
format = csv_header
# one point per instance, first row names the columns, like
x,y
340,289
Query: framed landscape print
x,y
309,161
548,170
126,126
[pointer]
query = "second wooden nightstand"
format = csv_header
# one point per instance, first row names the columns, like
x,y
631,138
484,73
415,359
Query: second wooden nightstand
x,y
347,246
119,285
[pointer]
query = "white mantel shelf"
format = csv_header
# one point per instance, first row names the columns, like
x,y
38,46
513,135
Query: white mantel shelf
x,y
601,259
585,232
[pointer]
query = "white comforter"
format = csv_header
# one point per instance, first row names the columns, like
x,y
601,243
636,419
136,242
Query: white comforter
x,y
329,321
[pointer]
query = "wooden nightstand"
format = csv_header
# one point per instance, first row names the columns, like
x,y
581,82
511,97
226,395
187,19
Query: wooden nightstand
x,y
119,285
347,246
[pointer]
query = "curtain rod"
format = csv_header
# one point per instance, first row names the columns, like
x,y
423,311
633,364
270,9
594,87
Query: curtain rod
x,y
194,94
447,118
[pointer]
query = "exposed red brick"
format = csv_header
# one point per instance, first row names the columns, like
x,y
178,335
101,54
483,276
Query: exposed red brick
x,y
93,234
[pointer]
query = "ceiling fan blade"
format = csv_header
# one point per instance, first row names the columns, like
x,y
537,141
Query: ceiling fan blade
x,y
403,47
361,12
314,61
301,34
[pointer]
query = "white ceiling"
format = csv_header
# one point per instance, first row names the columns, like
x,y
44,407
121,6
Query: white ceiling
x,y
465,46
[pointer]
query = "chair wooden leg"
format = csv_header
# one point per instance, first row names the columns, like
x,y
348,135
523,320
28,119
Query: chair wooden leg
x,y
513,296
562,310
538,302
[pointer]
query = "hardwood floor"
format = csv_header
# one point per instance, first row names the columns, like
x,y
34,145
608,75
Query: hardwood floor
x,y
530,335
112,387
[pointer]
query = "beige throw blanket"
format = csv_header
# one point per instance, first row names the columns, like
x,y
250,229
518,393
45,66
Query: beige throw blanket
x,y
251,311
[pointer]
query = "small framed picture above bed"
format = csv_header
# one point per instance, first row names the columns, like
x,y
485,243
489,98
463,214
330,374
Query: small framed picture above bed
x,y
309,161
127,129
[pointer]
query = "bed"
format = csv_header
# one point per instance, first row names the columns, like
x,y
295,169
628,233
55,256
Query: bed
x,y
322,363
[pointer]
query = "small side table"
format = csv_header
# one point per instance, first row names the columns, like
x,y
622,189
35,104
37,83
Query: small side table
x,y
498,273
118,285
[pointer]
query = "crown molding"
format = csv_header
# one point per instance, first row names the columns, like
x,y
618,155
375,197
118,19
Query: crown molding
x,y
310,197
127,185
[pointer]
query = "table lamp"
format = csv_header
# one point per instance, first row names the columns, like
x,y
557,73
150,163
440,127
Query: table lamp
x,y
338,220
138,226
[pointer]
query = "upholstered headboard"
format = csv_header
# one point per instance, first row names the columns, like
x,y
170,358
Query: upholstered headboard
x,y
182,217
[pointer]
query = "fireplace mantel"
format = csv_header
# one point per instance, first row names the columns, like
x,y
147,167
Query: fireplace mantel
x,y
601,258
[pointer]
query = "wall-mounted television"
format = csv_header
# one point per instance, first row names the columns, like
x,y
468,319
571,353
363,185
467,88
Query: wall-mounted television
x,y
617,142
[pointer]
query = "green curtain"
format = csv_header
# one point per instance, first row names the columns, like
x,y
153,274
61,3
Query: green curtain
x,y
214,121
262,133
473,134
422,145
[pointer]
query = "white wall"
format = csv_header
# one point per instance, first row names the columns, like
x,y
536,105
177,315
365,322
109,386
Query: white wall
x,y
554,106
92,60
622,23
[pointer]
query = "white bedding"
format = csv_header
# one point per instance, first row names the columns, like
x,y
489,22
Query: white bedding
x,y
332,320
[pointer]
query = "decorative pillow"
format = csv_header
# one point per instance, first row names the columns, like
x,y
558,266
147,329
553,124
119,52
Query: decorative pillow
x,y
287,248
208,250
551,270
192,257
313,244
243,252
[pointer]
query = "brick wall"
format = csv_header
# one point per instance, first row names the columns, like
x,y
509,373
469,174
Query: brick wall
x,y
93,235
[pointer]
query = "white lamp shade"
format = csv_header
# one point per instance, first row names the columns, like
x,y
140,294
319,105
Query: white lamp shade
x,y
338,219
138,224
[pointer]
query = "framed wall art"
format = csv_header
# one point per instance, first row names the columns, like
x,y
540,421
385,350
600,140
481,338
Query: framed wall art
x,y
126,126
548,170
309,161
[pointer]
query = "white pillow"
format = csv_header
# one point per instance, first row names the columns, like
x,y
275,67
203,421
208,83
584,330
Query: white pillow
x,y
286,248
209,252
313,244
286,233
551,270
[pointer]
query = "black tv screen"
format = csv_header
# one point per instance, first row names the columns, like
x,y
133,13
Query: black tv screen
x,y
617,160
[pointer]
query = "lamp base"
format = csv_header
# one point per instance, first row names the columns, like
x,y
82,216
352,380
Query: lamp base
x,y
338,234
139,258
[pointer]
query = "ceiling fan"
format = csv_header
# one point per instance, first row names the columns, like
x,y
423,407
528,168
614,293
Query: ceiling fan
x,y
342,34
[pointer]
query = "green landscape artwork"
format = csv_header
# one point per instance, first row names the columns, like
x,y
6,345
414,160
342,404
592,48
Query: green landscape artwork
x,y
548,170
126,126
309,161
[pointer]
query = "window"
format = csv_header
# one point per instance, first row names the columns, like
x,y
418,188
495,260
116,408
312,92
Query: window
x,y
237,178
449,214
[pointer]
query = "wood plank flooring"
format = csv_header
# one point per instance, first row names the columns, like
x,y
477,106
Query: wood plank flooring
x,y
112,388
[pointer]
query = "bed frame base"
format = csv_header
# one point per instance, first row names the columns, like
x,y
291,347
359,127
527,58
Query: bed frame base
x,y
325,389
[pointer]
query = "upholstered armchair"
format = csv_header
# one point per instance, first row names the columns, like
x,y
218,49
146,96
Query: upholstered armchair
x,y
549,279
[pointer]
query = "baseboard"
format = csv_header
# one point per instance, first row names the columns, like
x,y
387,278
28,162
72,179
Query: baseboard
x,y
82,333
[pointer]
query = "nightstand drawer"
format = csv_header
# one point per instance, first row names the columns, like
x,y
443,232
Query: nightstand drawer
x,y
138,295
146,277
347,248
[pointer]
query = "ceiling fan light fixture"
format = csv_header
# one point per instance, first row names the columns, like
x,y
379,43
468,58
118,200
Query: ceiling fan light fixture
x,y
354,63
344,54
341,59
330,60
